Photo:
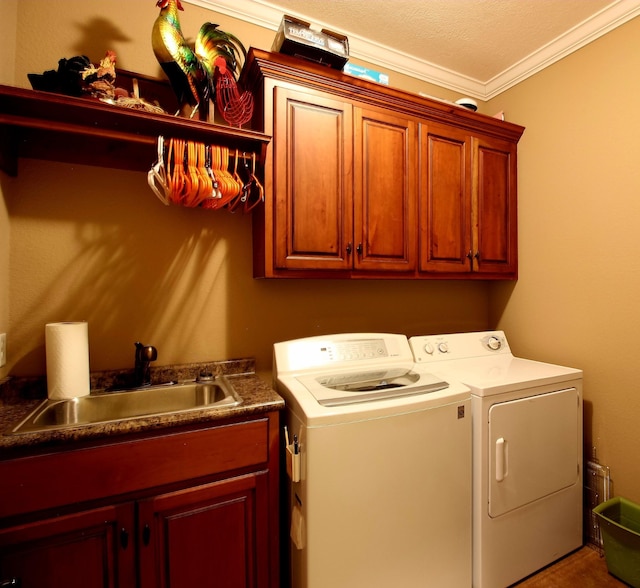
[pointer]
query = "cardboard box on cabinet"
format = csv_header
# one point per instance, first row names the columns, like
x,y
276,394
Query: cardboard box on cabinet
x,y
296,38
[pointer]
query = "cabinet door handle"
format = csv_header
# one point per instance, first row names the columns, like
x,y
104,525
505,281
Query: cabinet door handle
x,y
349,248
359,248
477,255
13,583
146,534
124,538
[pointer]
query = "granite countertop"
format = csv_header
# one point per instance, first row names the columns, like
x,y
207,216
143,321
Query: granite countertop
x,y
18,397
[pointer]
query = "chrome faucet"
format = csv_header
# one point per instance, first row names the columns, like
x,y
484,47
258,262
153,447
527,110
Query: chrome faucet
x,y
145,354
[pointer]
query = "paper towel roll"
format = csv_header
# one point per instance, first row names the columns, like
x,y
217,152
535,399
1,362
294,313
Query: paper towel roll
x,y
67,348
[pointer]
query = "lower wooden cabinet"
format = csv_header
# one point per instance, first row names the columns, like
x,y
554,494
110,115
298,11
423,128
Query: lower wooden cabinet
x,y
215,531
209,520
87,549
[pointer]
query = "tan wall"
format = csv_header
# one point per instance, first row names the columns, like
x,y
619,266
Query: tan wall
x,y
576,301
8,25
95,244
7,74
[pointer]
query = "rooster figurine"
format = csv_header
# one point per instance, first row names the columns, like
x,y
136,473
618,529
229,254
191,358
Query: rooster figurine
x,y
192,71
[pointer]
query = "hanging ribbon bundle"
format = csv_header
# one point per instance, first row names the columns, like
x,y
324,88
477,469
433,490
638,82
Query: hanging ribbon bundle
x,y
192,174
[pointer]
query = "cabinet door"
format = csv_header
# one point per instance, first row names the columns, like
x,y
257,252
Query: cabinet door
x,y
445,199
214,535
90,549
385,192
312,181
495,186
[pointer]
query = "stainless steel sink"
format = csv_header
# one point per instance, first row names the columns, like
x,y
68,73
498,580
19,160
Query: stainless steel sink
x,y
107,407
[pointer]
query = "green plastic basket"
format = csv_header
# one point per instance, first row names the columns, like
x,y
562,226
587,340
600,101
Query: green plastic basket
x,y
619,521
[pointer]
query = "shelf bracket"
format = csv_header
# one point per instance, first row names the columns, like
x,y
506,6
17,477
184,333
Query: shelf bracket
x,y
9,150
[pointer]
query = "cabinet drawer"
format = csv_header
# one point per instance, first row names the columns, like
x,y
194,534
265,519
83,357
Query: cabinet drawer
x,y
48,481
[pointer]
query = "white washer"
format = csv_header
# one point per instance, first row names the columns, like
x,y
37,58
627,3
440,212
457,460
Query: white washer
x,y
527,453
384,448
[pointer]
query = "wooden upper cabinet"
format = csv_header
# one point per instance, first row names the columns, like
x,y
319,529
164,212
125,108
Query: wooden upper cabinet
x,y
364,180
344,188
445,199
467,203
312,188
495,248
385,190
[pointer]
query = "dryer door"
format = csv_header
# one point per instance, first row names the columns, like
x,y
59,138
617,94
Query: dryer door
x,y
533,449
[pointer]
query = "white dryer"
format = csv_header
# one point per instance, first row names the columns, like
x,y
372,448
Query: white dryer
x,y
527,453
379,464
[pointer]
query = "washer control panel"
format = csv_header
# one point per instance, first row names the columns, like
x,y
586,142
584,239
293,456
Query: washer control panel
x,y
343,349
353,350
429,348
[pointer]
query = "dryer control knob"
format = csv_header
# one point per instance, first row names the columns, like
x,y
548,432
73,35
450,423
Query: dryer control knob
x,y
494,343
429,348
443,347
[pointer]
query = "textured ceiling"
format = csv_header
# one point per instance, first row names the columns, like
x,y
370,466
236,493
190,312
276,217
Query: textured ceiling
x,y
475,38
480,47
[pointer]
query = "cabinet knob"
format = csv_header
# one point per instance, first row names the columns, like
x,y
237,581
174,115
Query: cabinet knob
x,y
13,583
359,248
471,255
349,248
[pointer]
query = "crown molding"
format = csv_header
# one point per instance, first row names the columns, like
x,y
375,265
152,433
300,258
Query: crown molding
x,y
591,29
266,15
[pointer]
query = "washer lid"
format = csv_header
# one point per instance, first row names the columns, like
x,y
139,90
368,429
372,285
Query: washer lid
x,y
345,388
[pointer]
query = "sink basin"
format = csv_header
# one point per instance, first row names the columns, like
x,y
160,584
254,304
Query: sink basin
x,y
107,407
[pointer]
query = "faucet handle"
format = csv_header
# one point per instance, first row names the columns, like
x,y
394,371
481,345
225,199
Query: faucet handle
x,y
145,352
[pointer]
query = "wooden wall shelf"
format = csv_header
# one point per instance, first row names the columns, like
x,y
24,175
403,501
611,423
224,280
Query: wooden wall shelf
x,y
42,125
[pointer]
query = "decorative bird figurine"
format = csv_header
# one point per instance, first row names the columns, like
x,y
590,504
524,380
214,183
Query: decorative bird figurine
x,y
191,71
236,107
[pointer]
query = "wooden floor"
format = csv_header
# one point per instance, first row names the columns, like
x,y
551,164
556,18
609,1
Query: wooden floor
x,y
584,568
